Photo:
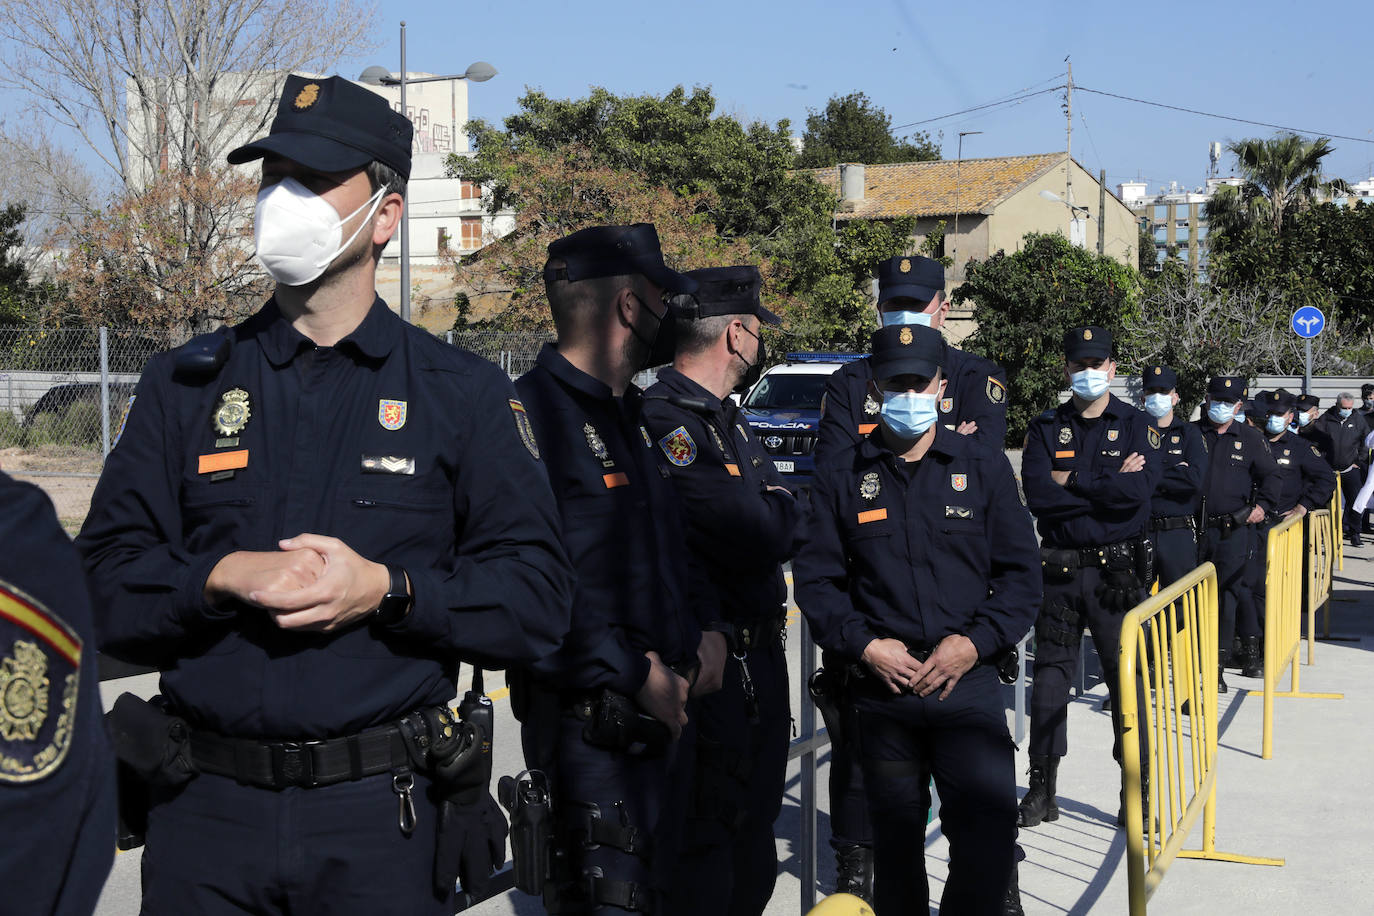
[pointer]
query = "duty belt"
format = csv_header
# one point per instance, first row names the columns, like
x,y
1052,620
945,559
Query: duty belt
x,y
1080,557
760,631
1170,523
307,764
1225,521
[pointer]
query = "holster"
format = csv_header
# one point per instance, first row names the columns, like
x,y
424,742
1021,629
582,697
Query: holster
x,y
830,690
1007,665
526,797
615,722
154,751
1145,561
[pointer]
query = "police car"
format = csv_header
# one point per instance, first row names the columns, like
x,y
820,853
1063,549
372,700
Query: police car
x,y
784,410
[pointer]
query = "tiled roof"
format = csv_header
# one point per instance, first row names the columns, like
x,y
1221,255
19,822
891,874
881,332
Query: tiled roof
x,y
931,188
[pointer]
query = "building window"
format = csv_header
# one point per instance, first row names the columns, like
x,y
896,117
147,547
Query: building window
x,y
470,232
469,190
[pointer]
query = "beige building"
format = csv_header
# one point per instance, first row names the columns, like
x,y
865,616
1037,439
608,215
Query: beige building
x,y
993,203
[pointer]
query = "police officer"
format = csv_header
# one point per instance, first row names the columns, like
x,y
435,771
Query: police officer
x,y
1339,435
919,570
1089,469
741,526
1241,487
1306,483
1306,408
1175,506
57,789
603,715
301,532
911,291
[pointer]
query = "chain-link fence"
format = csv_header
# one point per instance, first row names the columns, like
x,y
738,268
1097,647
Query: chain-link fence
x,y
513,351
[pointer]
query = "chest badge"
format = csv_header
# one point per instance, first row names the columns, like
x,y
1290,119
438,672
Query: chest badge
x,y
1113,435
597,445
232,414
946,405
391,414
1174,439
1065,435
870,405
959,482
870,486
679,447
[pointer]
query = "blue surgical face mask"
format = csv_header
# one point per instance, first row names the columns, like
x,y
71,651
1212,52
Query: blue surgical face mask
x,y
1090,384
1220,412
891,319
909,414
1157,405
1304,419
1274,424
1345,412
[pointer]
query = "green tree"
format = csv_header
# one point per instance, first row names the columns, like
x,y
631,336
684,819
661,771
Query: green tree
x,y
1024,302
16,293
852,129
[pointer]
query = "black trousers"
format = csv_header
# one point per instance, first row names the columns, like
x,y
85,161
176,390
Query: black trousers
x,y
1351,481
849,823
218,847
1175,554
1250,615
962,741
1229,555
729,861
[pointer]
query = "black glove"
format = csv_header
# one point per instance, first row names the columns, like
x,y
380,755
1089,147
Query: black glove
x,y
472,838
1120,590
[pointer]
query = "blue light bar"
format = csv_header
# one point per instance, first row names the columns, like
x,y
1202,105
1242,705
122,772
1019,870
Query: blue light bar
x,y
824,357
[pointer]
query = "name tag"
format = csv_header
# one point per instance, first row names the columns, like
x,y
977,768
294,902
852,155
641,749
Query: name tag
x,y
872,515
1068,454
618,479
223,461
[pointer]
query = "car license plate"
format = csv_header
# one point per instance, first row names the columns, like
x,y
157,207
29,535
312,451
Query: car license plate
x,y
786,467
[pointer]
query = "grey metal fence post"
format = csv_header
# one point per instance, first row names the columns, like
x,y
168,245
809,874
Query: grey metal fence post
x,y
448,337
1021,689
105,390
808,772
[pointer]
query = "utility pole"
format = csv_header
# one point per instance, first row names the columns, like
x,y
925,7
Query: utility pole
x,y
958,169
1101,211
1068,142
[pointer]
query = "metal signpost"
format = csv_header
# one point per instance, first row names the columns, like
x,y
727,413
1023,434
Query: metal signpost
x,y
1307,322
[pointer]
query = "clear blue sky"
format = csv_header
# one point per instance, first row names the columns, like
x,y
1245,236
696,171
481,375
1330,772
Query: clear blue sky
x,y
1280,62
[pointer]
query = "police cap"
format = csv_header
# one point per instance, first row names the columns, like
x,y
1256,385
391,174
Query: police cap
x,y
727,291
1087,343
1228,388
907,349
1276,401
1306,402
911,277
1161,377
333,125
614,251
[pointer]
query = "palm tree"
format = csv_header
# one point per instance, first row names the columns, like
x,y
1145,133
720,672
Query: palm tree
x,y
1282,176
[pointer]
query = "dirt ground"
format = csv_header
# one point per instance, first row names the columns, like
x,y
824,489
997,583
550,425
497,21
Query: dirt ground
x,y
67,475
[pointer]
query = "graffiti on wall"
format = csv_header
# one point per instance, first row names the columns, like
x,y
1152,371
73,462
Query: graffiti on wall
x,y
430,137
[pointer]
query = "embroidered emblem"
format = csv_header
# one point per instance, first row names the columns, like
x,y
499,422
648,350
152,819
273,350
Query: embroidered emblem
x,y
1153,436
870,405
1113,434
1285,453
523,427
1174,439
307,97
946,405
391,414
997,392
959,482
905,336
123,420
679,447
233,412
905,266
870,486
38,687
1065,435
647,441
1237,445
1314,451
388,464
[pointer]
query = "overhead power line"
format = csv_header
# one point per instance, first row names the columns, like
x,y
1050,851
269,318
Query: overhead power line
x,y
1210,114
955,114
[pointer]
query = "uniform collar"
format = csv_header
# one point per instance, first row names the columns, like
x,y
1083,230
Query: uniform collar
x,y
375,337
947,443
678,383
1116,409
558,366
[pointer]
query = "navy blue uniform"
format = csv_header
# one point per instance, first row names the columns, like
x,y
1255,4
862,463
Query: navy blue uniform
x,y
917,552
625,539
1098,506
1177,500
57,789
1242,473
1340,440
362,441
740,533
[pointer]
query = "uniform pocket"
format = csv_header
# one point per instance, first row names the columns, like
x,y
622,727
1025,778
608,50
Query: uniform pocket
x,y
214,515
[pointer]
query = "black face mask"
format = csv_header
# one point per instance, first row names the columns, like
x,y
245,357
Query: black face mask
x,y
662,347
755,370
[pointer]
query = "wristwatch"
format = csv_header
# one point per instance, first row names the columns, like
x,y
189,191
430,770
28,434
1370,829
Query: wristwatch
x,y
395,604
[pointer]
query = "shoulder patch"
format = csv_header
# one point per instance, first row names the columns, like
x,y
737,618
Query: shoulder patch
x,y
679,447
1315,451
40,666
997,392
523,427
1152,435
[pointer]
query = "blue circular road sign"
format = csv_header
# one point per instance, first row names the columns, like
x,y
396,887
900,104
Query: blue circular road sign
x,y
1308,321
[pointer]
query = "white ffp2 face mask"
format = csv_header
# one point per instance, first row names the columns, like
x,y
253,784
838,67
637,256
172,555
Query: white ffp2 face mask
x,y
299,234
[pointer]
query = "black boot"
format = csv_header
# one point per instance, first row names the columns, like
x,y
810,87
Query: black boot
x,y
1253,658
854,872
1039,804
1012,905
1221,674
1233,658
1144,802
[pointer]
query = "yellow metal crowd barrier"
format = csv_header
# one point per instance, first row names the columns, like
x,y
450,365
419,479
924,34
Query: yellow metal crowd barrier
x,y
1321,539
1175,629
1283,606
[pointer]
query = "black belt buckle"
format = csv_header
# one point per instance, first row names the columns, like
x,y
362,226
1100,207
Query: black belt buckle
x,y
293,763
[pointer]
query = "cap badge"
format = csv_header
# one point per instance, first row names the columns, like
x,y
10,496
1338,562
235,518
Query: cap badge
x,y
1065,435
905,266
233,412
391,414
307,97
1226,383
595,443
870,486
1158,371
870,405
905,336
1087,333
959,482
